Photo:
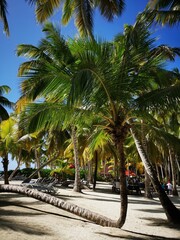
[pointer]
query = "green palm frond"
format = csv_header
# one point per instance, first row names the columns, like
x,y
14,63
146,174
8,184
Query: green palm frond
x,y
164,12
44,9
82,11
4,89
170,17
48,71
68,9
110,9
3,113
29,51
43,116
3,13
84,17
98,140
166,52
158,4
4,102
167,97
165,139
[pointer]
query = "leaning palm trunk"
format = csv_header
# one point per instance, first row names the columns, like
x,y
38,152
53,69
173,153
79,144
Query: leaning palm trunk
x,y
15,170
77,181
41,167
147,178
148,193
72,208
37,161
172,213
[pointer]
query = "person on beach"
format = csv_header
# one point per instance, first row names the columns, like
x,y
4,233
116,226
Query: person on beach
x,y
169,188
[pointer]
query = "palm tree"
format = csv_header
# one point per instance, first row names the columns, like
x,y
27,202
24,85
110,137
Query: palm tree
x,y
81,10
7,143
164,12
96,79
105,78
3,12
4,102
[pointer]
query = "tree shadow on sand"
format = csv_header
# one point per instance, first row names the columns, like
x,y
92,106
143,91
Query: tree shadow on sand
x,y
125,234
162,223
11,219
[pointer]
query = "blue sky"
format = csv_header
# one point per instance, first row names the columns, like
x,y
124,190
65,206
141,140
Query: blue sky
x,y
24,29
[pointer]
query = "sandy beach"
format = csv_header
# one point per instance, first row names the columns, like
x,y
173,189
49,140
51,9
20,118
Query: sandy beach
x,y
24,218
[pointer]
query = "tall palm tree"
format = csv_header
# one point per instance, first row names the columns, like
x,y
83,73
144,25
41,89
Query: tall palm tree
x,y
4,115
3,12
117,92
164,12
82,11
105,78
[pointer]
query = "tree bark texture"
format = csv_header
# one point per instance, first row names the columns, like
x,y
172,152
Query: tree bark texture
x,y
95,169
77,181
5,163
123,187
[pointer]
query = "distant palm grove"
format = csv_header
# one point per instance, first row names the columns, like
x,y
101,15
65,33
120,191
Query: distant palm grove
x,y
95,109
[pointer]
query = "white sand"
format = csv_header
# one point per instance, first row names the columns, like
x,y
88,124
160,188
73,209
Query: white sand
x,y
23,218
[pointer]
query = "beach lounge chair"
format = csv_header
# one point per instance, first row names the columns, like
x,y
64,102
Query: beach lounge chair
x,y
43,185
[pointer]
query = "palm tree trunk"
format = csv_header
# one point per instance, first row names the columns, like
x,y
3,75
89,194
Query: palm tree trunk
x,y
162,172
157,170
57,202
173,171
5,163
147,181
77,181
37,161
15,170
41,167
172,213
95,169
148,192
123,187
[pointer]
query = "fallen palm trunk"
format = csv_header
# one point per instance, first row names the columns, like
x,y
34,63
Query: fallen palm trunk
x,y
70,207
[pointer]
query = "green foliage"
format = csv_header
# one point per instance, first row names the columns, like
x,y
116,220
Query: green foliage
x,y
27,171
45,173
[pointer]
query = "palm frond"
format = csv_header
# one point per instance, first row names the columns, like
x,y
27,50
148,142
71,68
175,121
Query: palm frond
x,y
159,4
168,17
166,52
110,9
3,113
4,89
166,138
68,10
160,98
84,17
3,13
44,9
164,12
